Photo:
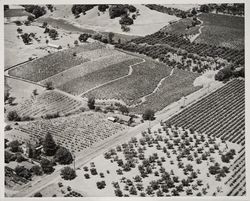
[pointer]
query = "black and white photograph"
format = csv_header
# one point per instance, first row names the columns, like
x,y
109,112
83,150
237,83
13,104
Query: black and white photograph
x,y
124,100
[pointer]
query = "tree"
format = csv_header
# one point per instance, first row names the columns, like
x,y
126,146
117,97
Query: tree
x,y
26,38
47,166
76,43
111,36
19,30
38,194
49,145
14,146
49,85
34,92
68,173
148,115
45,24
6,7
103,7
37,170
204,8
84,37
63,156
11,100
22,172
125,20
118,192
194,12
125,28
124,109
7,156
30,18
91,103
53,34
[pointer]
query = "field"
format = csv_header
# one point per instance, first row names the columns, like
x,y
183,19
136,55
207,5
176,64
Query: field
x,y
180,27
104,60
178,42
163,161
48,102
51,64
103,23
76,132
221,114
88,81
171,90
222,30
145,77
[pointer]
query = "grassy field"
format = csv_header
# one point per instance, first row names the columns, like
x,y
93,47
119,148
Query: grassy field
x,y
101,76
222,30
142,81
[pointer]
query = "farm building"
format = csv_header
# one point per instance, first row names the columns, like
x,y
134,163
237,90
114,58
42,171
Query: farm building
x,y
54,46
14,13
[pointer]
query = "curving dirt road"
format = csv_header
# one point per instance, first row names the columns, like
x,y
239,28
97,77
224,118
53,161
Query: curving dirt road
x,y
129,73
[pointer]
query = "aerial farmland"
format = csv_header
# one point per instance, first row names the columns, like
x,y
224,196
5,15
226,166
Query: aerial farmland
x,y
96,104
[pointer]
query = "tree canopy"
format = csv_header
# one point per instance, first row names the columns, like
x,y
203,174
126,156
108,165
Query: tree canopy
x,y
49,145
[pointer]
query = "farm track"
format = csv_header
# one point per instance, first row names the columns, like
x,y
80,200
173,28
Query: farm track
x,y
111,81
198,34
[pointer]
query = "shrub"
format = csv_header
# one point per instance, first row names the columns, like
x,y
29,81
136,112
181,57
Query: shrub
x,y
68,173
31,18
53,34
84,37
13,116
91,103
38,194
49,85
125,28
118,192
7,128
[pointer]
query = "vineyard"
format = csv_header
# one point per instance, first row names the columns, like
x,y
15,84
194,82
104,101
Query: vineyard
x,y
162,161
91,80
238,180
78,71
145,77
220,114
222,30
75,133
49,102
52,64
171,90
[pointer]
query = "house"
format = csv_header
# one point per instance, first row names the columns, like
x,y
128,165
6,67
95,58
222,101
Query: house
x,y
13,164
124,119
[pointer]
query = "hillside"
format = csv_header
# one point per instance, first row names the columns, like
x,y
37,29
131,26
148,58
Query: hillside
x,y
147,18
